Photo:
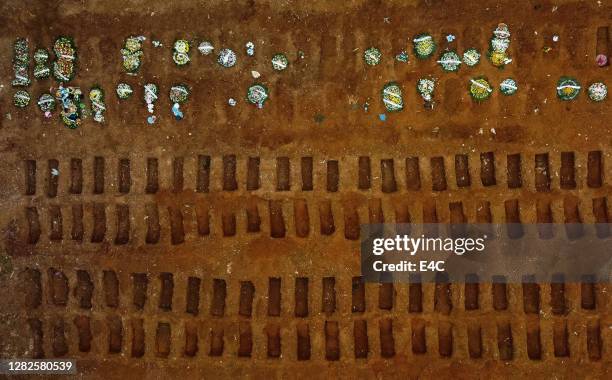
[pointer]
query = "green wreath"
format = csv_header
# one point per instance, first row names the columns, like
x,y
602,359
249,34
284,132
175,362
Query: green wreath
x,y
391,95
257,94
279,62
471,57
64,67
46,102
21,99
568,88
98,107
508,86
480,88
21,61
372,56
124,91
424,45
450,61
598,92
425,88
179,93
180,54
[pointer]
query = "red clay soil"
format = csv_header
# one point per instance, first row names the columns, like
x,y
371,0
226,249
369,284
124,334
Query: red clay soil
x,y
211,208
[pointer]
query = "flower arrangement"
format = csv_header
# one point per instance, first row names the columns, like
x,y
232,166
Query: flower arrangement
x,y
280,62
227,58
180,56
372,56
425,88
257,94
568,88
402,56
46,103
424,45
250,49
508,86
70,98
41,55
206,47
41,67
392,97
150,96
449,61
480,88
21,99
498,46
132,54
499,59
124,91
471,57
179,93
96,96
21,61
66,57
598,92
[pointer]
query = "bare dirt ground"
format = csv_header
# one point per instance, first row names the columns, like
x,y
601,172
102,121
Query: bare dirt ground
x,y
245,194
